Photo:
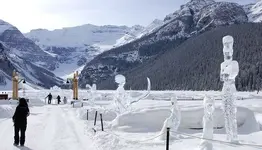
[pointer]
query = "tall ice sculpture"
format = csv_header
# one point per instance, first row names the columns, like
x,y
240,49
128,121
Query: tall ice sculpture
x,y
209,108
229,71
172,122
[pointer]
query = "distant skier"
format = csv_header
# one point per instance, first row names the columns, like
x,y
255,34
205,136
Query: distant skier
x,y
20,121
65,100
58,99
49,96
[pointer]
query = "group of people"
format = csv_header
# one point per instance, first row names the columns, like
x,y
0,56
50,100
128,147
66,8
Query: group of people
x,y
49,96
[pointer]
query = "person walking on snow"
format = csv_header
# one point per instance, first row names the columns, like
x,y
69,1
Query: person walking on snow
x,y
58,99
20,121
49,96
65,100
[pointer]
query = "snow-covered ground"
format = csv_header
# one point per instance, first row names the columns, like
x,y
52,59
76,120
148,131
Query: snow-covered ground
x,y
61,127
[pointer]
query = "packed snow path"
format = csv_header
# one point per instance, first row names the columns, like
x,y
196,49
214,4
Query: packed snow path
x,y
50,127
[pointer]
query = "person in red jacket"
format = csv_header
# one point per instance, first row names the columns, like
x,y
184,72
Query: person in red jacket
x,y
20,121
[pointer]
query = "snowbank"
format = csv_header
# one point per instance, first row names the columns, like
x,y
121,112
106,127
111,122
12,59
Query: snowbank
x,y
259,120
151,120
6,111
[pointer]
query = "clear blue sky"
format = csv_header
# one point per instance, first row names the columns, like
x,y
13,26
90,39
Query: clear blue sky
x,y
53,14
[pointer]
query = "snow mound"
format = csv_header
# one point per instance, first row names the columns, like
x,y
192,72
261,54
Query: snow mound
x,y
151,120
259,119
6,111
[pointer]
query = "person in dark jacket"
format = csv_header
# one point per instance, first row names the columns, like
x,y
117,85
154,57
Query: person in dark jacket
x,y
58,99
20,121
65,100
49,96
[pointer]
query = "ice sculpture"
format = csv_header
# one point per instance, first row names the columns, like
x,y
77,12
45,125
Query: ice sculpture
x,y
88,86
209,108
122,100
120,96
229,71
173,121
92,94
93,87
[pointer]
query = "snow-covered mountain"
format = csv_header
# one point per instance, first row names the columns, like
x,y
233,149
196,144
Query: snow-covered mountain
x,y
34,75
254,11
21,54
192,19
24,47
81,36
127,38
73,47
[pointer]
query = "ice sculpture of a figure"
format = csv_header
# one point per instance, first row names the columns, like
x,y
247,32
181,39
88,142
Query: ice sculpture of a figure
x,y
122,100
120,96
209,108
173,121
92,94
229,71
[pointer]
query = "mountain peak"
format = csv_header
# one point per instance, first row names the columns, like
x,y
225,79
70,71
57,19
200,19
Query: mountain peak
x,y
198,3
157,21
6,26
202,1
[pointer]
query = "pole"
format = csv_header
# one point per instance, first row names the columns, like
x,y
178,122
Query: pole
x,y
13,87
74,91
87,114
167,138
16,83
23,90
76,85
95,118
102,125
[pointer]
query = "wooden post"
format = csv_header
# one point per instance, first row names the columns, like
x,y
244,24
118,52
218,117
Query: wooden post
x,y
15,85
74,91
87,114
102,125
76,86
95,118
167,138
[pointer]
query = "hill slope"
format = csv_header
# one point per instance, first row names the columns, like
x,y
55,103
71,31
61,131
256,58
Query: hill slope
x,y
21,54
193,18
195,64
